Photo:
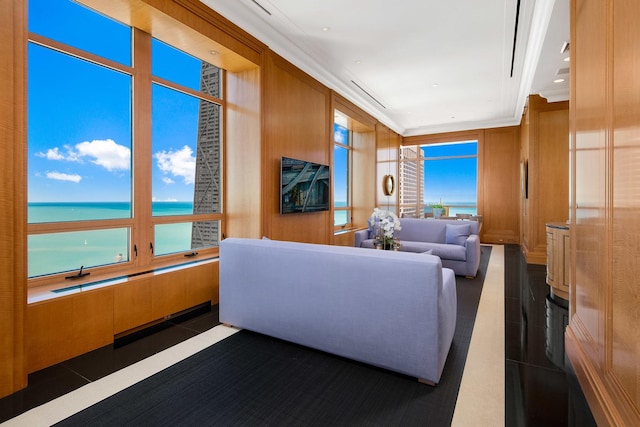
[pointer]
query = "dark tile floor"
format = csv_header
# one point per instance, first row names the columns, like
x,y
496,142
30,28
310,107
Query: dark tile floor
x,y
57,380
540,385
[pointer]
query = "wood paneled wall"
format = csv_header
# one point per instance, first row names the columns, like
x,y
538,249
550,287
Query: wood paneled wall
x,y
545,155
243,155
499,177
387,153
297,121
602,339
13,269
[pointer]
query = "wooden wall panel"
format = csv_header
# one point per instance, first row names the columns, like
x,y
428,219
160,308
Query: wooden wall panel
x,y
13,270
49,329
202,284
203,31
65,327
545,152
553,171
168,295
387,154
501,185
92,321
145,299
363,177
589,187
625,239
344,238
132,305
602,338
297,124
243,155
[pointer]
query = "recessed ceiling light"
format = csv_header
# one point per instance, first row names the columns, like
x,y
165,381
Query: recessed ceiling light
x,y
358,61
325,29
214,52
435,85
558,80
566,59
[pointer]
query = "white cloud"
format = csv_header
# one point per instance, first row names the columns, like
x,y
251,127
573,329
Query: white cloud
x,y
64,176
179,163
51,154
105,153
168,180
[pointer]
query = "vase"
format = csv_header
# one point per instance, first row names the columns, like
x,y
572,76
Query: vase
x,y
396,245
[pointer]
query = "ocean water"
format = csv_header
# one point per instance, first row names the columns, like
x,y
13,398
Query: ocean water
x,y
458,208
62,252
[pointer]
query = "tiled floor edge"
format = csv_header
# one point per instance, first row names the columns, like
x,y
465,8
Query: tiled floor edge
x,y
481,395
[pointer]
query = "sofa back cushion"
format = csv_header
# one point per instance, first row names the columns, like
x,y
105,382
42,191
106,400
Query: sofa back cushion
x,y
457,234
422,230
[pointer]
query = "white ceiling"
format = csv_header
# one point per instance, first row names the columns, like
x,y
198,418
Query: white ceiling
x,y
419,66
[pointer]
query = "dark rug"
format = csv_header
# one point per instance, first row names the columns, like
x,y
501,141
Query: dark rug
x,y
250,379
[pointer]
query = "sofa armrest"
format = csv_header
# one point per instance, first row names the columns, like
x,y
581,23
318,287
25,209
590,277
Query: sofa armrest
x,y
360,236
472,246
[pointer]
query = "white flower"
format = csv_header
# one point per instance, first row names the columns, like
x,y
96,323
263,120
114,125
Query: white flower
x,y
387,221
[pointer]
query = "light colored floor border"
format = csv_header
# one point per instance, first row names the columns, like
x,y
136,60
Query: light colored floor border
x,y
480,399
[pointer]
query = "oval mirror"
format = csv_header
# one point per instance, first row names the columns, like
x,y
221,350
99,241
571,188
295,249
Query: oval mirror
x,y
388,185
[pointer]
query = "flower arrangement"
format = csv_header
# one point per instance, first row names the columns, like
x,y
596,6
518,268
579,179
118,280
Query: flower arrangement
x,y
386,224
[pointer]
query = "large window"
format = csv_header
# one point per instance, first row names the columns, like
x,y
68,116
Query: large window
x,y
107,192
342,148
439,173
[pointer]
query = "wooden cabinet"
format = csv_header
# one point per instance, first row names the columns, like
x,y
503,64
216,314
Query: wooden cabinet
x,y
558,259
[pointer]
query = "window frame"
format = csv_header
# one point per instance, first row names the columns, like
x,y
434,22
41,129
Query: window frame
x,y
141,224
349,147
421,159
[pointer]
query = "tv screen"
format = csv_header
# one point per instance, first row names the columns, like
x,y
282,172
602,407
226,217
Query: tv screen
x,y
304,186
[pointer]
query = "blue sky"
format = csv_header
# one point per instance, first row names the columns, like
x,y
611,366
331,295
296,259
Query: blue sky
x,y
79,113
454,180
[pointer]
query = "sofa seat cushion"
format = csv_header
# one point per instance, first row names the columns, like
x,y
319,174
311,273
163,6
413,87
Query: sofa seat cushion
x,y
442,250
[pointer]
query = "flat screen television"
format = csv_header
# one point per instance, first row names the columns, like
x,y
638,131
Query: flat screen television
x,y
304,186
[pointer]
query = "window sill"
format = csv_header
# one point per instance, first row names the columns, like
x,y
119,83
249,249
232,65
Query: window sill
x,y
344,230
44,293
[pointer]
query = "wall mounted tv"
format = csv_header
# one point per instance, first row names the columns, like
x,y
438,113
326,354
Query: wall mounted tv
x,y
304,186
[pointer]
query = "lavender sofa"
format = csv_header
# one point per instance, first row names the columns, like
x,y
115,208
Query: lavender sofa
x,y
456,242
394,310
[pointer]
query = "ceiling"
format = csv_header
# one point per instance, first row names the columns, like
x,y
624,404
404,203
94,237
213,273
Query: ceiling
x,y
420,66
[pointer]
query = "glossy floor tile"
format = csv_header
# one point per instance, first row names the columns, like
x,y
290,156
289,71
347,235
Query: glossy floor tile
x,y
538,379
